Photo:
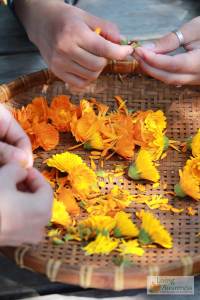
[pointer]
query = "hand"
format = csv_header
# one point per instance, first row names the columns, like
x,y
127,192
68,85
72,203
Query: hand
x,y
179,69
14,143
23,215
66,38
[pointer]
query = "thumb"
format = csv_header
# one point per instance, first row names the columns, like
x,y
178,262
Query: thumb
x,y
165,44
170,42
109,30
12,174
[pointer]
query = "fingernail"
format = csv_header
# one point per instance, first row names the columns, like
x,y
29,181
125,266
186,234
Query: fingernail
x,y
149,46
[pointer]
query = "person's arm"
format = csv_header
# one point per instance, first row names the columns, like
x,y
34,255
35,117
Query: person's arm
x,y
66,38
179,69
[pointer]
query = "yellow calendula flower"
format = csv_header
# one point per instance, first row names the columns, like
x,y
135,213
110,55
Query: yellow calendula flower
x,y
152,231
188,185
101,245
193,167
64,162
99,224
124,226
144,168
95,142
155,120
130,247
59,214
83,181
194,144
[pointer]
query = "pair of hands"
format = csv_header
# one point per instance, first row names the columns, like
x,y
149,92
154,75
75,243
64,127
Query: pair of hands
x,y
25,196
74,52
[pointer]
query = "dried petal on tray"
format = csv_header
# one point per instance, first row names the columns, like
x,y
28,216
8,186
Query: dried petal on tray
x,y
144,168
130,247
191,211
152,231
59,214
103,244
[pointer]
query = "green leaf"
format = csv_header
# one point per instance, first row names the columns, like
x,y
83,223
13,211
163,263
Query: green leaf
x,y
124,42
105,232
166,143
144,237
117,232
68,237
57,241
178,191
101,173
87,146
82,204
189,142
133,172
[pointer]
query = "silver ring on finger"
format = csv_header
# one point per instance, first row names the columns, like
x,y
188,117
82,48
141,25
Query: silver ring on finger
x,y
180,37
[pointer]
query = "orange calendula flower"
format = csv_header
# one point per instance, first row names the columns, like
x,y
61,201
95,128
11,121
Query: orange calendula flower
x,y
66,196
46,136
144,168
59,214
152,231
148,132
86,126
61,112
83,181
38,110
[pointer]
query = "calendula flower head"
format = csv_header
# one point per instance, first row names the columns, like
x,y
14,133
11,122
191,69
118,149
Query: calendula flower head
x,y
194,144
99,224
124,226
95,142
152,231
61,112
38,110
46,136
103,244
144,168
148,132
130,247
83,181
157,146
66,196
87,125
188,185
59,214
64,162
193,167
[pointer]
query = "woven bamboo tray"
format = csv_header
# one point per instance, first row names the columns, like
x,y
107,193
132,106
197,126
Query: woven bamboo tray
x,y
68,263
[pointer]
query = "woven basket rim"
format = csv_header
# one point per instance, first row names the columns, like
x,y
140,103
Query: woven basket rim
x,y
185,265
